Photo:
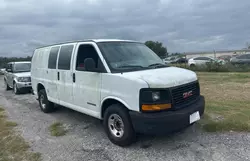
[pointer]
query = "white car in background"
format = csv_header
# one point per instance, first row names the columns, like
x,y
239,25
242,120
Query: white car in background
x,y
203,60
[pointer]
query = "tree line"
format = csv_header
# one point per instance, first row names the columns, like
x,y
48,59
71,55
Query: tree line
x,y
5,60
156,46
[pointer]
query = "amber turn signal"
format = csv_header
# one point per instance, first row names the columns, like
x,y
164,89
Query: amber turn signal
x,y
156,107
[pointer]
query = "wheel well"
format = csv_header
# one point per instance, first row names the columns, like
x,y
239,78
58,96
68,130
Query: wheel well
x,y
39,87
108,103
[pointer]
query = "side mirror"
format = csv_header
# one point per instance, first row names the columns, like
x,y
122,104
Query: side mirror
x,y
90,64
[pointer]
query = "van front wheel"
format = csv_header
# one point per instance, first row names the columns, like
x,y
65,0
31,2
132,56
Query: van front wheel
x,y
118,125
45,105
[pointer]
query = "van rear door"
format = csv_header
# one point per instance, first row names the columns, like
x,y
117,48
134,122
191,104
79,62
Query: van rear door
x,y
64,75
52,91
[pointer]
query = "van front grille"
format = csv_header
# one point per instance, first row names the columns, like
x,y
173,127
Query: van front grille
x,y
185,94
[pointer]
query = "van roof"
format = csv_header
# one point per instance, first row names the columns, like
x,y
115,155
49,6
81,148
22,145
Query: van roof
x,y
18,62
91,40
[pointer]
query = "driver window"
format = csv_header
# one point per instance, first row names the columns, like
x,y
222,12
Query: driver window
x,y
87,51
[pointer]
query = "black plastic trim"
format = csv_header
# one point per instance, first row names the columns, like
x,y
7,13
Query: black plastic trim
x,y
174,107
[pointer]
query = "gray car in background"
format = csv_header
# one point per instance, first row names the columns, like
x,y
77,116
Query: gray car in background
x,y
17,76
241,59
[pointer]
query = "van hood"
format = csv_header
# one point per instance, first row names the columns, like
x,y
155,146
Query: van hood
x,y
23,74
164,77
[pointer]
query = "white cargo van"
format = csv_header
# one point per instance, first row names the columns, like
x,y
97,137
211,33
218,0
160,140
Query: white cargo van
x,y
121,82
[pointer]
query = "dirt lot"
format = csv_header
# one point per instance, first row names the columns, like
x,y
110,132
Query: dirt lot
x,y
86,140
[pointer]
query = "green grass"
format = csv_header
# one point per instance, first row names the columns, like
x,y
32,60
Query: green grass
x,y
57,129
1,109
229,77
215,67
12,146
227,101
10,124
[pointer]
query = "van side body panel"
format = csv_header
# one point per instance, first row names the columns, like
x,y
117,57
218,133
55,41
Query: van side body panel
x,y
123,89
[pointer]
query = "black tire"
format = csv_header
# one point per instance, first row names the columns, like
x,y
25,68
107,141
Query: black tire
x,y
45,105
16,90
129,134
7,87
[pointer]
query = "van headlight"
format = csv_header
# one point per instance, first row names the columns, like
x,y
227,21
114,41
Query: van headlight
x,y
155,100
23,79
156,96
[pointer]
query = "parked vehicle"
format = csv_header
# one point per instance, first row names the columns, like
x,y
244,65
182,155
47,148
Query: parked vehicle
x,y
225,57
2,71
169,60
17,76
241,59
174,59
203,60
180,60
121,82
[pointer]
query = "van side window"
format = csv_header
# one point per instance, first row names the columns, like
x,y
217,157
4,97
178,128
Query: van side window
x,y
88,51
53,57
65,57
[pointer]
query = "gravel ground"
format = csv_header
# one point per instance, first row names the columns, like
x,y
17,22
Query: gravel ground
x,y
86,140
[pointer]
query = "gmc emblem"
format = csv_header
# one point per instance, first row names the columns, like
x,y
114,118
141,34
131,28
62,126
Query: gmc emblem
x,y
187,94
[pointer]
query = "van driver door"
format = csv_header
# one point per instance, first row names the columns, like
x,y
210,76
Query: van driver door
x,y
86,84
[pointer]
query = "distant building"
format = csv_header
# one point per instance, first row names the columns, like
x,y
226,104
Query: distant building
x,y
217,53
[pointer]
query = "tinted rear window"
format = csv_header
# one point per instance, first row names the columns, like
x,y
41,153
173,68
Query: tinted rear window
x,y
202,58
53,57
65,57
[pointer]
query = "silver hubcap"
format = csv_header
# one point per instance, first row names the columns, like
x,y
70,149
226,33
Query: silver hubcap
x,y
116,125
42,101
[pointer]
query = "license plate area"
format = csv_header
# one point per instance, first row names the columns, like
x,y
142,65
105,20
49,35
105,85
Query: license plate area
x,y
194,117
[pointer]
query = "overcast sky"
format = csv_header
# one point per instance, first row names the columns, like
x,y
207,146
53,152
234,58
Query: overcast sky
x,y
182,25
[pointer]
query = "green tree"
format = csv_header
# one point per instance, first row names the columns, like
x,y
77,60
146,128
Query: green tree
x,y
5,60
247,45
158,48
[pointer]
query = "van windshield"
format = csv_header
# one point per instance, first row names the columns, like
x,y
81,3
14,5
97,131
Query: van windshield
x,y
21,67
129,56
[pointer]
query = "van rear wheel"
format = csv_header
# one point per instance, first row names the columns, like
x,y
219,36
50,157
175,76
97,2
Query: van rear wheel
x,y
45,105
118,126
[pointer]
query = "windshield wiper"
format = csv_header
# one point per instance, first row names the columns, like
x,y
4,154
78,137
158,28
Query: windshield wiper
x,y
130,66
157,65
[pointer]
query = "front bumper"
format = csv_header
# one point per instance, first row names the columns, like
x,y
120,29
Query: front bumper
x,y
167,121
21,85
